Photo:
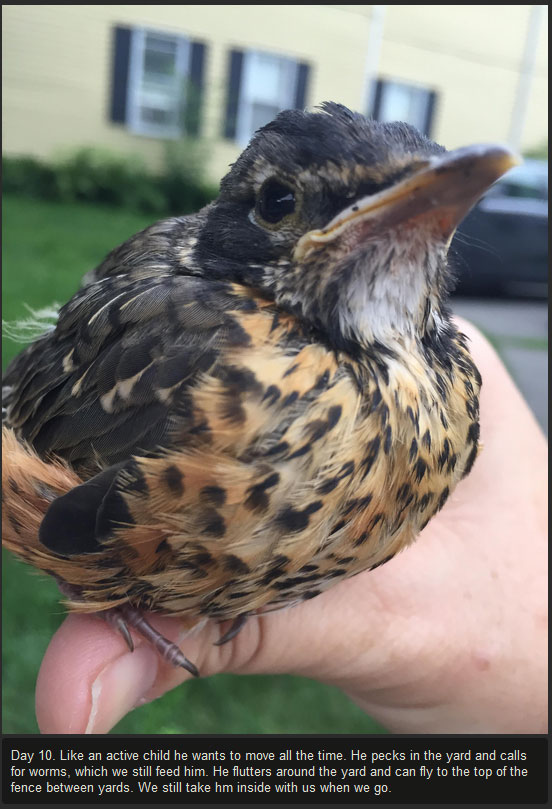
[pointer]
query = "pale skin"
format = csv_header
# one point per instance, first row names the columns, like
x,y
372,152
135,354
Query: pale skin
x,y
448,637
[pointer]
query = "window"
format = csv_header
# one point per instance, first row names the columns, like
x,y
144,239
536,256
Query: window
x,y
156,82
397,101
260,86
268,87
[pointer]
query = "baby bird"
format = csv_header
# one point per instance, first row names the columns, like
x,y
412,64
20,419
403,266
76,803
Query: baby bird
x,y
241,407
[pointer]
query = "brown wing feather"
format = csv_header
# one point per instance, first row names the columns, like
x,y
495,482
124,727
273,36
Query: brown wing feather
x,y
113,377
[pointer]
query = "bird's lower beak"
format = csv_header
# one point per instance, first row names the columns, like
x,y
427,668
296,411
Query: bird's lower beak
x,y
441,191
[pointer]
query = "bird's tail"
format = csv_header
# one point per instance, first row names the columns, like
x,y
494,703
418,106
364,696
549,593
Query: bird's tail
x,y
29,485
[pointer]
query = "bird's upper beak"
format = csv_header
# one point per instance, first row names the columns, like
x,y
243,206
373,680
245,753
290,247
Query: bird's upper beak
x,y
441,190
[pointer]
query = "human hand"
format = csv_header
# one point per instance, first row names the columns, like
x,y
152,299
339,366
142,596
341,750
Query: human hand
x,y
448,637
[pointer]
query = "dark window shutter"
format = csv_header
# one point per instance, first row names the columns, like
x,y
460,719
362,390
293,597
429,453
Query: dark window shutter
x,y
233,98
430,112
301,85
195,88
376,104
119,74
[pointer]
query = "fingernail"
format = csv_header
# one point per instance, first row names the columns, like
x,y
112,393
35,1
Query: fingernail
x,y
120,686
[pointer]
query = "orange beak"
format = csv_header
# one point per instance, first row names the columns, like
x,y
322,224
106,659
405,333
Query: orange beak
x,y
442,189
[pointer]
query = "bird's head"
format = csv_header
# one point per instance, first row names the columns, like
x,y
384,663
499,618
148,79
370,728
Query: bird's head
x,y
346,221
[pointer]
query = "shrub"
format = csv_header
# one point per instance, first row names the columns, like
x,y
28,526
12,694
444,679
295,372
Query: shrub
x,y
96,175
100,176
182,180
29,177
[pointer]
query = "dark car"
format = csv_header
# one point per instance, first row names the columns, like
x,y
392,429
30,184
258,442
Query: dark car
x,y
501,248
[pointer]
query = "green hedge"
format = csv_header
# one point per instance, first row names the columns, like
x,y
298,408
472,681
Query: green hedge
x,y
538,152
99,176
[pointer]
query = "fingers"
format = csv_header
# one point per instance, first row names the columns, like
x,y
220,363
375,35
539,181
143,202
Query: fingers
x,y
89,679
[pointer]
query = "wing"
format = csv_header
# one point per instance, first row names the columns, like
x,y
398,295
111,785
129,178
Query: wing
x,y
113,378
201,422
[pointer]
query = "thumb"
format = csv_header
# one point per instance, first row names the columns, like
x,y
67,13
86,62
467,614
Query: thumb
x,y
89,679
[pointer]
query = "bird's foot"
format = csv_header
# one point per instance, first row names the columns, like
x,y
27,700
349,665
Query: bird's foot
x,y
125,616
236,627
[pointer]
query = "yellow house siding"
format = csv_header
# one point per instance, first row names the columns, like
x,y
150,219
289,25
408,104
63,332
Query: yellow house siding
x,y
472,56
57,67
56,77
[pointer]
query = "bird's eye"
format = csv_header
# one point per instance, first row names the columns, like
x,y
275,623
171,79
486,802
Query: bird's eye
x,y
276,201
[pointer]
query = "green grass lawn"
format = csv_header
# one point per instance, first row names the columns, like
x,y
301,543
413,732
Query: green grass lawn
x,y
46,250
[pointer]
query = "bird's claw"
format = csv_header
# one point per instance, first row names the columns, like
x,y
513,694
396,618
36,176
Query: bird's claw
x,y
236,627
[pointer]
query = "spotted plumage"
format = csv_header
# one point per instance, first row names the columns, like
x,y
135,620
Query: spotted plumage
x,y
242,407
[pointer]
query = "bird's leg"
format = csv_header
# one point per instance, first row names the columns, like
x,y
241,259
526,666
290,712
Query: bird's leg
x,y
236,627
168,650
114,618
124,616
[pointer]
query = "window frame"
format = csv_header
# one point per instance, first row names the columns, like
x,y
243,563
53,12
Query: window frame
x,y
244,126
136,74
384,84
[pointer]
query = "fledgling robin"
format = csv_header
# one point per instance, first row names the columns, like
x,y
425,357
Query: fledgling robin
x,y
241,407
